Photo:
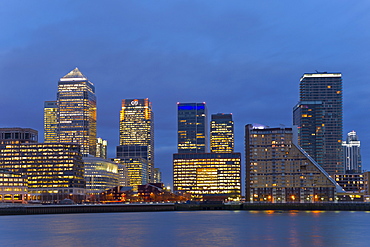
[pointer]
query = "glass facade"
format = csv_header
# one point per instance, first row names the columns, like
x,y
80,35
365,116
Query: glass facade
x,y
55,171
352,155
319,118
207,174
222,133
278,170
77,111
13,187
135,170
50,122
101,148
137,134
192,128
100,175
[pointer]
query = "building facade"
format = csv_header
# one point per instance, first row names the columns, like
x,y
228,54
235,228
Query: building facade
x,y
17,136
352,155
55,171
137,133
278,170
351,182
319,117
76,102
222,133
192,128
51,122
100,175
205,175
13,187
101,148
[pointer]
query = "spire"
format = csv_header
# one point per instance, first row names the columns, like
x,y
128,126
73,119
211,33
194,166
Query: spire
x,y
76,73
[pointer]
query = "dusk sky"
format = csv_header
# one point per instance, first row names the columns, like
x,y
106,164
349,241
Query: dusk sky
x,y
240,57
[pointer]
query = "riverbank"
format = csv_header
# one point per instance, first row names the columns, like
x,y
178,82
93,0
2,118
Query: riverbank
x,y
11,209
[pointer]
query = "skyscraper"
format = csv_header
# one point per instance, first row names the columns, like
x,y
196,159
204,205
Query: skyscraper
x,y
222,133
319,118
137,133
77,111
352,155
51,122
192,128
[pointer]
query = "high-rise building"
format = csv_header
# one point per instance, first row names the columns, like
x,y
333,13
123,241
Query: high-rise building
x,y
352,155
207,175
222,133
192,128
318,116
137,134
17,136
77,111
51,122
278,170
101,148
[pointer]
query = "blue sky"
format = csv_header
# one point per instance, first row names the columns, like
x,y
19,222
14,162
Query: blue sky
x,y
239,57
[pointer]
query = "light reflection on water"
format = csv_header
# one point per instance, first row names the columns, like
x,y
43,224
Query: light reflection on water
x,y
188,228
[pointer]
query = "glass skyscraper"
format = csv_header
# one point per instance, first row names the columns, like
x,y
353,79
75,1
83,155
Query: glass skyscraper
x,y
192,128
319,118
352,155
222,133
50,122
137,136
77,111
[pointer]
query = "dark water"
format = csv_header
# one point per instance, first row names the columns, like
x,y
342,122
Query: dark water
x,y
200,228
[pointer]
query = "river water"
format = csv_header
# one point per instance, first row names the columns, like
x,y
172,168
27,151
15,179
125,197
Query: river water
x,y
189,228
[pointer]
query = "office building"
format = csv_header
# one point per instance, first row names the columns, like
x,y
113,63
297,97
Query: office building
x,y
192,128
352,155
13,187
101,148
100,175
222,133
55,171
77,111
133,172
207,175
318,116
51,122
278,170
137,133
17,136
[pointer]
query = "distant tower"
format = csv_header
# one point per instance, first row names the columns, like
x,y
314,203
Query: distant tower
x,y
50,122
319,118
137,133
352,155
222,133
77,111
192,128
101,148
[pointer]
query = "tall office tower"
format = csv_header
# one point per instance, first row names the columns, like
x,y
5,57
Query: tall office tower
x,y
222,133
352,155
50,122
278,170
192,128
319,118
137,132
77,111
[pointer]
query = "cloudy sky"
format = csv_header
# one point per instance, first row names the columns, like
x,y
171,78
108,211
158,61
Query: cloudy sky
x,y
241,57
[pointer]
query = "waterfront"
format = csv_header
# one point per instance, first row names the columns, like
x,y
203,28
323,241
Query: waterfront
x,y
188,228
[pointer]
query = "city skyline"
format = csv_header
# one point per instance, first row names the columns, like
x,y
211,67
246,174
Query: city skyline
x,y
239,58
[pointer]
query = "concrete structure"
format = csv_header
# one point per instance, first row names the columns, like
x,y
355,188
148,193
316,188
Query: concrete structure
x,y
13,187
319,118
17,136
192,128
351,182
278,170
222,133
